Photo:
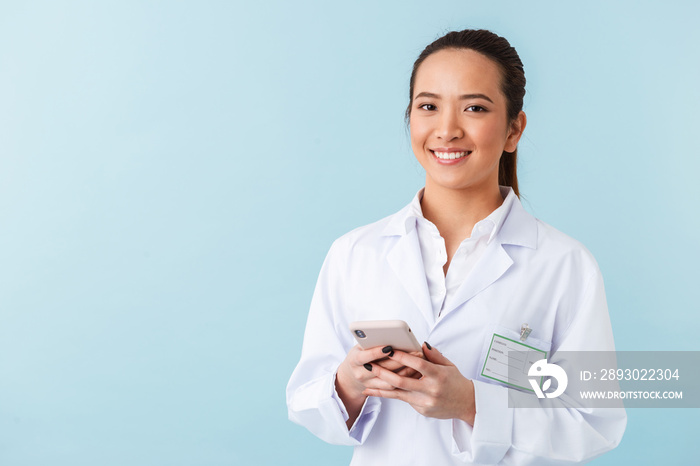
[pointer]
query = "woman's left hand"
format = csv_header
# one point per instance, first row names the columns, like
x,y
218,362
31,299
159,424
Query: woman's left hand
x,y
443,392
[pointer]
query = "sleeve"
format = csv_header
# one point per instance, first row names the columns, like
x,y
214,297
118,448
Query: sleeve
x,y
312,400
557,432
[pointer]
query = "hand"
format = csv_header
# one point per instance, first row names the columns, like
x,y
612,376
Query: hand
x,y
356,373
443,392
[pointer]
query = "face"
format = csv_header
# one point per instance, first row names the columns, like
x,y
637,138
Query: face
x,y
459,126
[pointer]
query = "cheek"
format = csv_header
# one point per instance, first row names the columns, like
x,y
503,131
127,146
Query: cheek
x,y
491,135
419,133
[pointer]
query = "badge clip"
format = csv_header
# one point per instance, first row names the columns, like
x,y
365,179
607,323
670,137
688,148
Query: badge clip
x,y
524,332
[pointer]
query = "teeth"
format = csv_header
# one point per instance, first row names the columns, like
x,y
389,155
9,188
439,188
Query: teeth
x,y
450,155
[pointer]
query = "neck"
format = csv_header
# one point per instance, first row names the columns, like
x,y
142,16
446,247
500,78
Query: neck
x,y
455,212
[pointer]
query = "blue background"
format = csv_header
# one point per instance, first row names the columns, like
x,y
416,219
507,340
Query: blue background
x,y
172,174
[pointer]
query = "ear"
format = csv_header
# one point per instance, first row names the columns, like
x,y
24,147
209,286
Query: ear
x,y
515,131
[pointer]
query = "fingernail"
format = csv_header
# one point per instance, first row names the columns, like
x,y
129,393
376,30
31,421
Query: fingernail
x,y
391,354
387,349
368,366
428,345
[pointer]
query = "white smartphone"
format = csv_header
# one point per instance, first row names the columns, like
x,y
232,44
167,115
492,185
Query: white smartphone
x,y
394,333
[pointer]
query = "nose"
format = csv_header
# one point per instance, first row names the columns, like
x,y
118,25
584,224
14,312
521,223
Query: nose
x,y
448,127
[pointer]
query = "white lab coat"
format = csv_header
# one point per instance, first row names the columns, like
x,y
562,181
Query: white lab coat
x,y
530,273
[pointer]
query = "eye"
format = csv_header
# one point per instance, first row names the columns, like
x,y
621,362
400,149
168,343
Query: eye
x,y
475,108
429,107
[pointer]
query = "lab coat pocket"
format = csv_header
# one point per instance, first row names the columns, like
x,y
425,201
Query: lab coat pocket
x,y
494,363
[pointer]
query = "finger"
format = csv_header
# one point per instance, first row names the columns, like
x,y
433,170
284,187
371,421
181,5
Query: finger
x,y
367,372
378,384
419,364
388,364
408,372
395,394
367,376
372,354
404,383
435,356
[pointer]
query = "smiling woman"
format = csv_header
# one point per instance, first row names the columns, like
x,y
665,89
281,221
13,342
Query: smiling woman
x,y
464,264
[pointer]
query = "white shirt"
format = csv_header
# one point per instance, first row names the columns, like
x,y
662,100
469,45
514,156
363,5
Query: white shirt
x,y
529,272
442,287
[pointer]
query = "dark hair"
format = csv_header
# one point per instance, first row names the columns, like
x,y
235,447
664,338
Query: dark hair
x,y
512,82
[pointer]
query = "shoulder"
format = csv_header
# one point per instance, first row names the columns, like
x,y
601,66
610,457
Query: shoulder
x,y
560,247
373,235
541,244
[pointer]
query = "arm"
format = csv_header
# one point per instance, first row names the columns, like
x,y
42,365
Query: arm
x,y
318,397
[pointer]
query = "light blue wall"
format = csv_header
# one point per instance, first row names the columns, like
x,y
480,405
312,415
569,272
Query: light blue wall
x,y
172,174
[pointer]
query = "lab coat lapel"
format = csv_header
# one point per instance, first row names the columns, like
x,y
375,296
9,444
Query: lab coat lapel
x,y
492,265
519,229
407,263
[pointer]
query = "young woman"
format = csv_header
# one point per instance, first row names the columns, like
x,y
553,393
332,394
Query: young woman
x,y
461,263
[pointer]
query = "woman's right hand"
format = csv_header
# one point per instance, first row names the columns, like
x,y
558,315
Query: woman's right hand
x,y
355,372
355,375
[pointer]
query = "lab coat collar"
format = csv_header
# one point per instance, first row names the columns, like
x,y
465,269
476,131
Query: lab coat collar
x,y
499,215
513,226
516,227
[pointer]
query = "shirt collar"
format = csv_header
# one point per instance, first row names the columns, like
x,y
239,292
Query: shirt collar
x,y
405,220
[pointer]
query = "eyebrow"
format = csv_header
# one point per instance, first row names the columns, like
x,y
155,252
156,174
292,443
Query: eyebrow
x,y
461,97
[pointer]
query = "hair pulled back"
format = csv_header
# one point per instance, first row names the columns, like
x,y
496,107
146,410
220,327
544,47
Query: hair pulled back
x,y
500,51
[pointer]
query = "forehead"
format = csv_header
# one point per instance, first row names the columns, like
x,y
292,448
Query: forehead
x,y
458,72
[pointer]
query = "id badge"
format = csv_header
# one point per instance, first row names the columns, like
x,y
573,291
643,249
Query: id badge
x,y
511,369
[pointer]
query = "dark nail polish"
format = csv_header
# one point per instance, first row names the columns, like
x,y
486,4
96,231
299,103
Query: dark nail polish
x,y
368,366
391,354
428,345
387,349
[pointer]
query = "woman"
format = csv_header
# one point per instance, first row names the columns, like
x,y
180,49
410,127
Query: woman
x,y
462,263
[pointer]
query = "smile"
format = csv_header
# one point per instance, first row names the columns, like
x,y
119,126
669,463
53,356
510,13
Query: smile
x,y
451,155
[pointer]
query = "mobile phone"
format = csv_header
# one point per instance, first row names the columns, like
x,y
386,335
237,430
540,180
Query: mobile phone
x,y
394,333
